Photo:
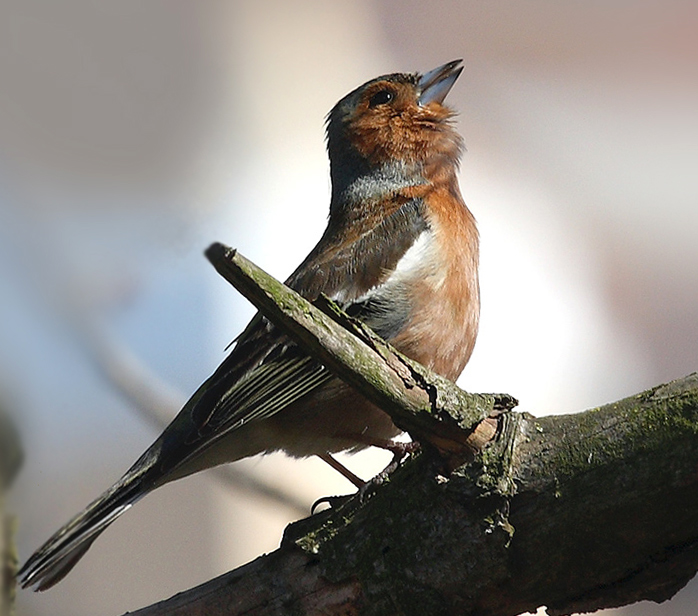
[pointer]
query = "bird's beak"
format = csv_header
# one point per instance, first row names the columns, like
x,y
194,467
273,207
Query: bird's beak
x,y
435,85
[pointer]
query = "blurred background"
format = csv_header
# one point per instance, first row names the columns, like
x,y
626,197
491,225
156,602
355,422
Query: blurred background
x,y
134,134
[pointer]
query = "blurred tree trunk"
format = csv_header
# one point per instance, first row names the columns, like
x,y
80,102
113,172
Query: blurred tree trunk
x,y
10,460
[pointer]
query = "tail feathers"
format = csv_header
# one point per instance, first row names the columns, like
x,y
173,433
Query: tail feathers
x,y
52,562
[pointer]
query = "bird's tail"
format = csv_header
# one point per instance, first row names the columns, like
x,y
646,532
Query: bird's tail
x,y
53,560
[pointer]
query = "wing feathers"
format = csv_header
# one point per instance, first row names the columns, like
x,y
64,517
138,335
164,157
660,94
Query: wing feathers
x,y
263,374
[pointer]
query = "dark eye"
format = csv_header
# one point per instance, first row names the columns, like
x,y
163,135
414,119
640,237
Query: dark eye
x,y
381,97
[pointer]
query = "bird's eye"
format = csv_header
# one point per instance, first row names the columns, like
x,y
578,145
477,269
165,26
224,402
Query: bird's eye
x,y
381,97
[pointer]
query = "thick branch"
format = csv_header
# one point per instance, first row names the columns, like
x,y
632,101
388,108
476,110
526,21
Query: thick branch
x,y
575,512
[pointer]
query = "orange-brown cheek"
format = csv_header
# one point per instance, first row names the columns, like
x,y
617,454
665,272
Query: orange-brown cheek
x,y
383,137
370,139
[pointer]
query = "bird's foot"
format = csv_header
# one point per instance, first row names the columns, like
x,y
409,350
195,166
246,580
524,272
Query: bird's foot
x,y
399,451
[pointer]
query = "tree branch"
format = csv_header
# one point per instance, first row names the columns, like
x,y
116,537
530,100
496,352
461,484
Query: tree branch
x,y
575,512
418,400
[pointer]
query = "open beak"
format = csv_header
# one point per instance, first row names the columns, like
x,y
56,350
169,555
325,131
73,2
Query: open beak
x,y
435,85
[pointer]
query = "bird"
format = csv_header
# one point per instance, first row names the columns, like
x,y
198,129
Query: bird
x,y
400,252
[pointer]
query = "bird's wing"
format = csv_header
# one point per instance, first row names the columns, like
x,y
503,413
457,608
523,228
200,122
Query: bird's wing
x,y
266,371
348,267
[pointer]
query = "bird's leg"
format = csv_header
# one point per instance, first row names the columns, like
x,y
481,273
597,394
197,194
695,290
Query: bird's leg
x,y
336,501
397,448
343,470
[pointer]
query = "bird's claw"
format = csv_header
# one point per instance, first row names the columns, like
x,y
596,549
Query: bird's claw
x,y
399,451
335,502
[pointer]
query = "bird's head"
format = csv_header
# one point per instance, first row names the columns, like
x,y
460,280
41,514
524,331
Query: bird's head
x,y
395,119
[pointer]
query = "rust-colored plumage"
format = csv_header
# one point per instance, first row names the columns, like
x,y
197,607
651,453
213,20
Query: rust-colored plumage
x,y
400,252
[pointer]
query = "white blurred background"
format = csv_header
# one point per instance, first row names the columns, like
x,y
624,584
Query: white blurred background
x,y
134,134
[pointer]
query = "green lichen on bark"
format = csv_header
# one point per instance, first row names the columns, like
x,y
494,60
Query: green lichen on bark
x,y
409,537
491,519
626,432
628,464
493,469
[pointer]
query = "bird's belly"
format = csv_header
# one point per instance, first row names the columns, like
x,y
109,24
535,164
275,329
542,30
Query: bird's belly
x,y
333,418
434,296
441,335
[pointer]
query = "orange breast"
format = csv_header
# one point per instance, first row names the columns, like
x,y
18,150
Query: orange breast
x,y
445,295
